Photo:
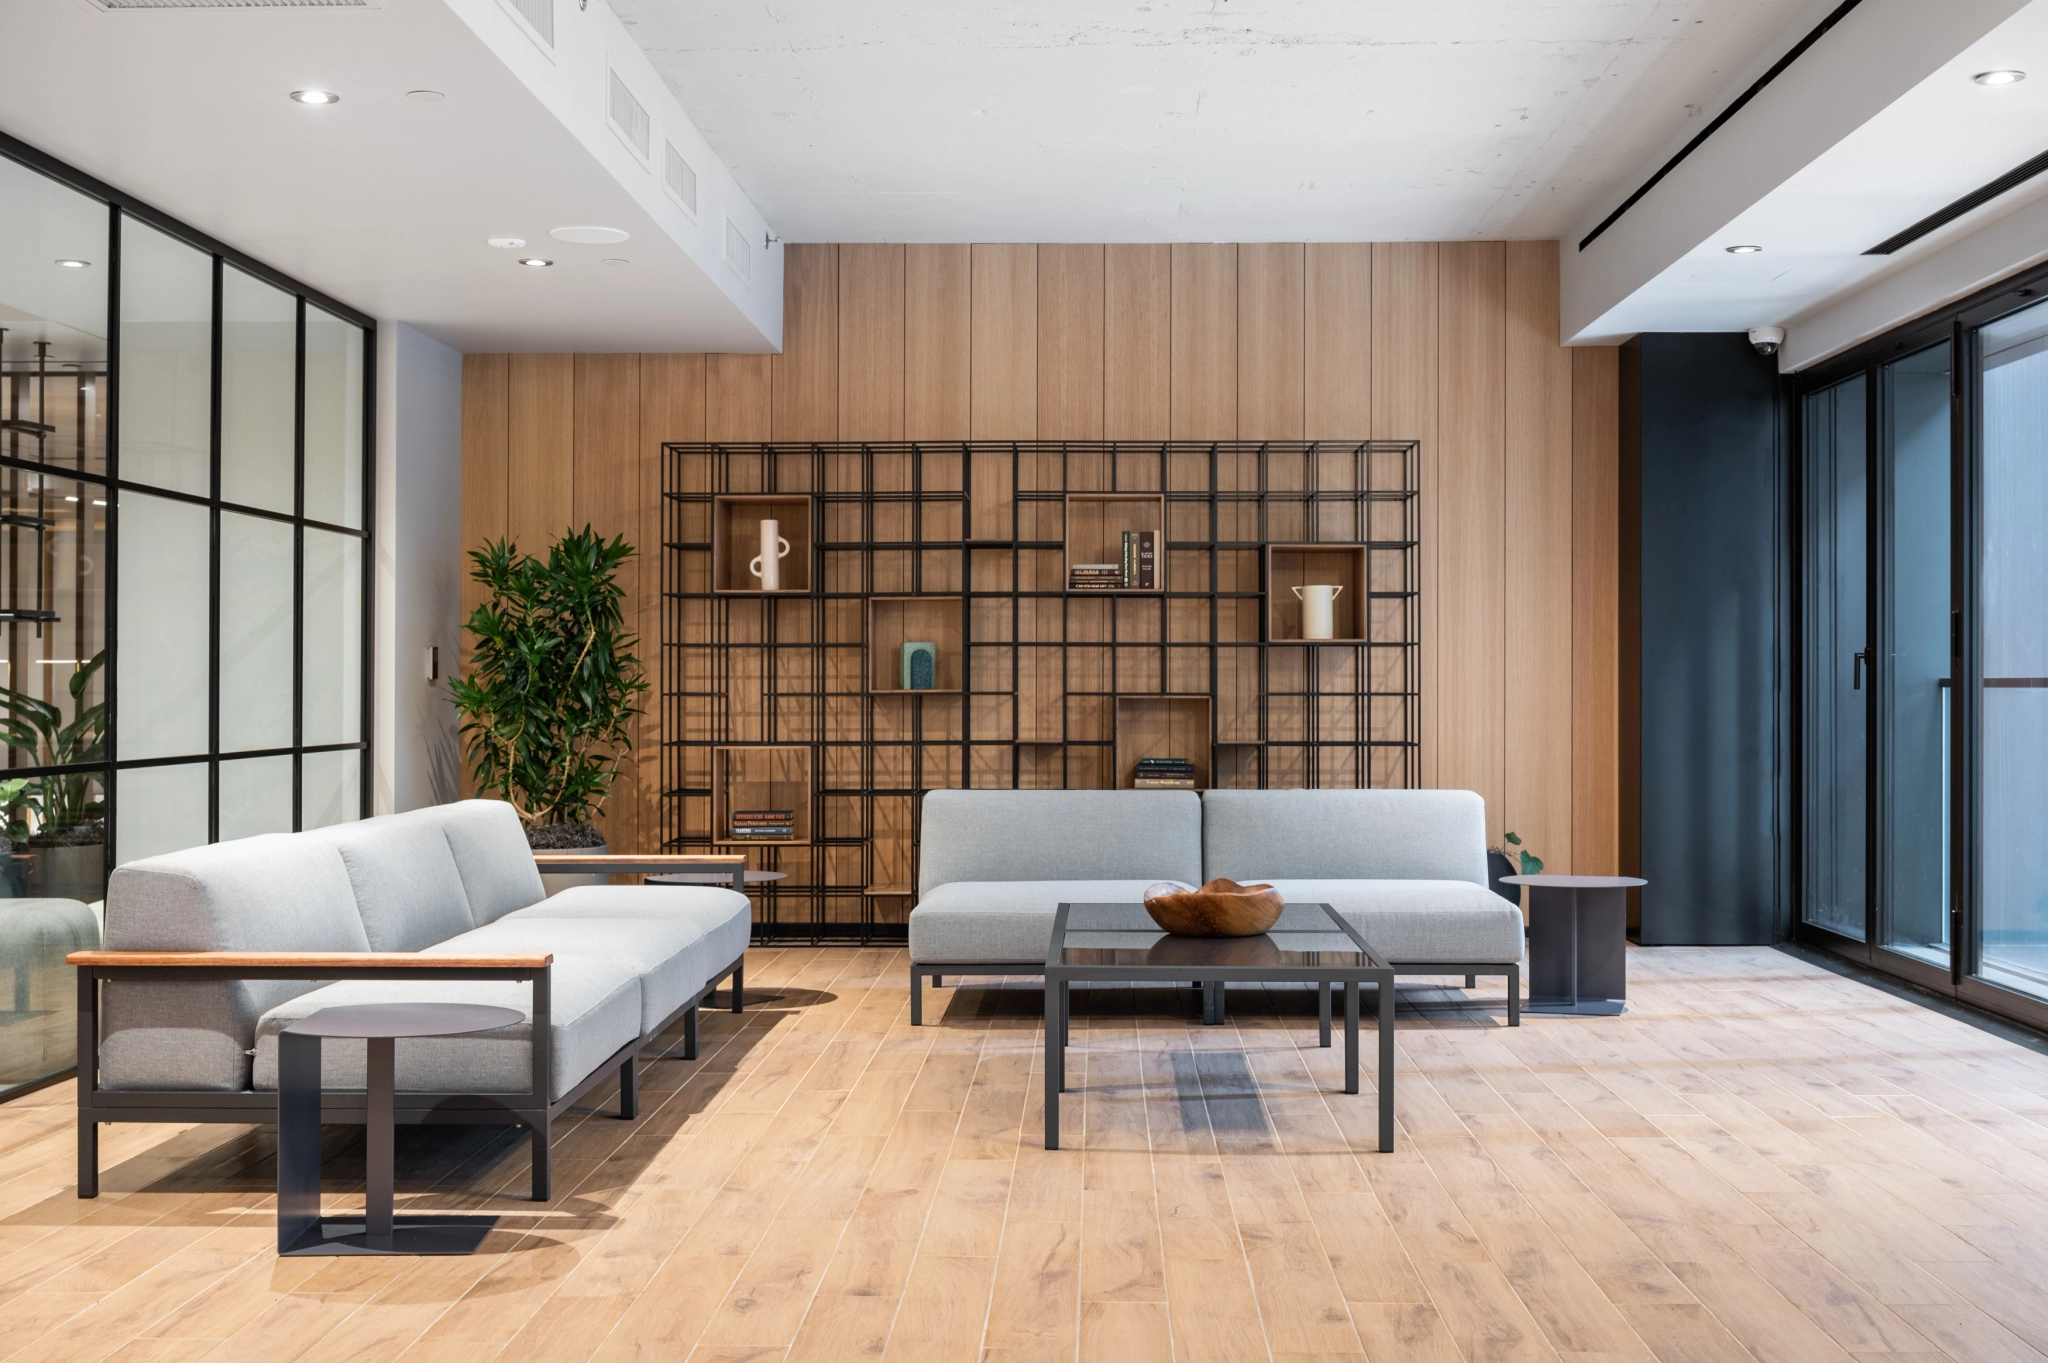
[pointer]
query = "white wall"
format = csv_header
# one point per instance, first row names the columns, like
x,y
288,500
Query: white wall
x,y
419,562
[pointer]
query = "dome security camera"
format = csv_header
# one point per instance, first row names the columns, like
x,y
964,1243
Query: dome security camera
x,y
1767,339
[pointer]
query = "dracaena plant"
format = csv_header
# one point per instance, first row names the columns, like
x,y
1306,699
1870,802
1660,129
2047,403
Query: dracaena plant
x,y
64,801
549,696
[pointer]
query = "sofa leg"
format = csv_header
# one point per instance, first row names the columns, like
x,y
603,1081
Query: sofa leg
x,y
938,981
739,983
1514,996
88,1156
543,1188
1471,981
629,1089
916,997
690,1035
1323,1014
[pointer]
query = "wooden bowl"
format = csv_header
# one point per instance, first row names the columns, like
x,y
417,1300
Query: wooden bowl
x,y
1221,908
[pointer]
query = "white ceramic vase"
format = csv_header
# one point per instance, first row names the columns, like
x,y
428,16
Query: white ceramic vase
x,y
1318,611
767,565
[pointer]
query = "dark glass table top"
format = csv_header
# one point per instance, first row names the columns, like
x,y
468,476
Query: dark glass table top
x,y
1307,936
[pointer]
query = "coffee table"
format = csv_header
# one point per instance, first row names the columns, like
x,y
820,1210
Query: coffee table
x,y
301,1229
1310,944
1578,943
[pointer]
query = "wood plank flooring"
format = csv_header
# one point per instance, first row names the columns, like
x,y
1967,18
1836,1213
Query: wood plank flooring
x,y
1761,1161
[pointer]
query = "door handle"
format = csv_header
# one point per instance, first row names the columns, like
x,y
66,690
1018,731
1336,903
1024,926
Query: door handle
x,y
1856,672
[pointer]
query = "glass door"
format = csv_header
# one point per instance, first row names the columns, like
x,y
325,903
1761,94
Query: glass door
x,y
1835,484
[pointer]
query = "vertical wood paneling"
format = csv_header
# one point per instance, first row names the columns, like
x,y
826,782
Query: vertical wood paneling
x,y
1596,607
870,342
1471,663
1003,355
607,497
804,379
1404,407
1270,285
1204,342
938,319
1137,322
540,473
486,451
1070,338
736,405
672,393
1538,529
1337,341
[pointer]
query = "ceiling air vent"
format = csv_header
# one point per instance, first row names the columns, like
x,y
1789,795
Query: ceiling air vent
x,y
680,179
629,119
539,16
737,255
231,4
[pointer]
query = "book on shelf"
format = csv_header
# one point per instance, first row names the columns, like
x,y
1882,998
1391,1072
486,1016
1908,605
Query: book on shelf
x,y
1166,766
1163,782
770,815
1145,576
1130,556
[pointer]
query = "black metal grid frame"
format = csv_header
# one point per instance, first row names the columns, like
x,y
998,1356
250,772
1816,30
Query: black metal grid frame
x,y
1224,499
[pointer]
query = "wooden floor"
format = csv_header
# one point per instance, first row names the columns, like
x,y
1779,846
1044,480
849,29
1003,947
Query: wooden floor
x,y
1761,1160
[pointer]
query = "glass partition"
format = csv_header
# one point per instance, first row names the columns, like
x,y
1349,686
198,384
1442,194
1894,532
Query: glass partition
x,y
1835,490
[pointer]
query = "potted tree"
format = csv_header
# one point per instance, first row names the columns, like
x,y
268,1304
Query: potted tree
x,y
64,830
549,696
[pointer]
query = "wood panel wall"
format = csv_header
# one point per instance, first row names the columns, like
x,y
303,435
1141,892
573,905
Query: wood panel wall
x,y
1451,344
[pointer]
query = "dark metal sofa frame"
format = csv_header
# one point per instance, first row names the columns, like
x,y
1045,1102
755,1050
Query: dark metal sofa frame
x,y
531,1109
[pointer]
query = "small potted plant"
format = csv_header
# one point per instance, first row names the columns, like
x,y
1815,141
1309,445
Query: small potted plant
x,y
549,697
64,830
1513,859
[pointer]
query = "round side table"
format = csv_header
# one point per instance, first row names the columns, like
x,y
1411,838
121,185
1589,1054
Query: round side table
x,y
300,1227
716,878
1578,943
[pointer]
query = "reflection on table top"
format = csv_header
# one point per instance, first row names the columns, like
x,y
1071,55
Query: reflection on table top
x,y
1307,936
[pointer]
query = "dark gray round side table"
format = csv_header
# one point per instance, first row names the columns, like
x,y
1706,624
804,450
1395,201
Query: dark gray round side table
x,y
300,1227
1578,943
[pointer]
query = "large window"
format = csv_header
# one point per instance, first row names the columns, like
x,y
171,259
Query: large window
x,y
182,565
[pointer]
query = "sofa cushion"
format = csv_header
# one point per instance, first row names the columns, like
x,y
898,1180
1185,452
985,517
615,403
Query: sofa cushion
x,y
668,955
489,846
723,916
407,888
275,892
1042,835
593,1010
1004,920
1251,835
1419,920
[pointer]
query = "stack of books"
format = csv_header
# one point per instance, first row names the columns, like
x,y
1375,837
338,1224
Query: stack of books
x,y
764,823
1095,577
1165,773
1136,569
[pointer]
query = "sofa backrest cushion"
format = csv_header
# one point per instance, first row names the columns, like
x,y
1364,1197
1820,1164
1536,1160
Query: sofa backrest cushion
x,y
491,854
407,889
1059,835
1344,835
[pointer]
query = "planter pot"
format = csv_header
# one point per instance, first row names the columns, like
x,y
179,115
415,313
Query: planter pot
x,y
1496,867
554,885
76,872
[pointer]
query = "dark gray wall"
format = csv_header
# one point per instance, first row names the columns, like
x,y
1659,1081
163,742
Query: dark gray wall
x,y
1705,622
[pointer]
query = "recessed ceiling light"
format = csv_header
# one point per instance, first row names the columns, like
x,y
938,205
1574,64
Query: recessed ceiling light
x,y
1743,250
74,264
537,262
505,243
615,260
426,96
316,97
590,236
1999,77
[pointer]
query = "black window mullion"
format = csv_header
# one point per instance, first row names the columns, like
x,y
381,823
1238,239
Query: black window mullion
x,y
213,668
299,570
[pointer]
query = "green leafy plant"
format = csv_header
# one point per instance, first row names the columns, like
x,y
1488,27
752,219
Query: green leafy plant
x,y
1531,864
548,701
65,802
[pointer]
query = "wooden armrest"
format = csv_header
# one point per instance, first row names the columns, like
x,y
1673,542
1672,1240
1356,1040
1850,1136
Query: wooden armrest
x,y
678,860
311,960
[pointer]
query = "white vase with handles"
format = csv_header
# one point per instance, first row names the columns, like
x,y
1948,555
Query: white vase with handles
x,y
767,565
1318,611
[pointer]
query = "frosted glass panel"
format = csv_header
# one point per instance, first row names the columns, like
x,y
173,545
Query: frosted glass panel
x,y
332,792
55,319
164,626
160,809
166,361
255,633
258,372
334,637
334,419
255,797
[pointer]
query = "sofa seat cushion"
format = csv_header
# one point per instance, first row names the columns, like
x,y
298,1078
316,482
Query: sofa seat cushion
x,y
669,956
1419,920
593,1010
1003,920
723,916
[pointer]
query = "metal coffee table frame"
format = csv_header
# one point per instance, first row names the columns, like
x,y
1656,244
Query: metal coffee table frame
x,y
1059,975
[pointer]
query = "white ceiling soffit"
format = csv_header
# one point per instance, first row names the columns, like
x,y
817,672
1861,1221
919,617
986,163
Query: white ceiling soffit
x,y
384,201
1179,120
1873,128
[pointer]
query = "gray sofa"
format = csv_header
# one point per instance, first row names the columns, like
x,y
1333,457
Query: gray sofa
x,y
1407,868
438,904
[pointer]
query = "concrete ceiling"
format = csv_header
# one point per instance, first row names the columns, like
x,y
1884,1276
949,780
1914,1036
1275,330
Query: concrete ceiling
x,y
1120,120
